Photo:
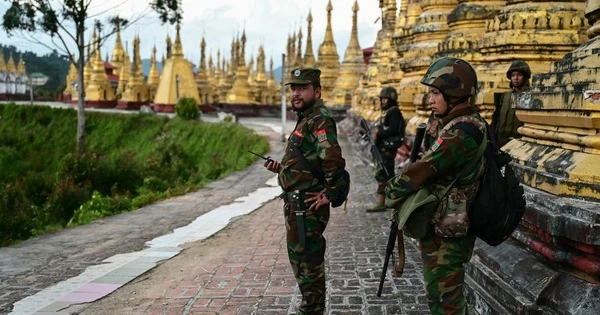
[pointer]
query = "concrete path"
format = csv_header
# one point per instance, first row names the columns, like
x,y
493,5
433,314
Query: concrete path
x,y
242,269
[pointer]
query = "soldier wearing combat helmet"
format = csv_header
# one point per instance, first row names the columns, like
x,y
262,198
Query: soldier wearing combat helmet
x,y
448,244
504,120
312,147
388,136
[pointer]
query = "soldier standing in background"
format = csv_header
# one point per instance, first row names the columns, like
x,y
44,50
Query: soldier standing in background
x,y
504,120
314,137
388,137
448,243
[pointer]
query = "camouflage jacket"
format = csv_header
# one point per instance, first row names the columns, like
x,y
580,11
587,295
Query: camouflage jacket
x,y
442,163
508,123
316,136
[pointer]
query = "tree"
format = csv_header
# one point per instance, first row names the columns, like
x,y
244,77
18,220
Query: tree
x,y
67,21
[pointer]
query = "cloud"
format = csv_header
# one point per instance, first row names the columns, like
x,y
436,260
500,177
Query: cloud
x,y
266,22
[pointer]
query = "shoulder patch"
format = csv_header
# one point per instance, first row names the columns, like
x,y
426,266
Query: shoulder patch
x,y
322,135
437,144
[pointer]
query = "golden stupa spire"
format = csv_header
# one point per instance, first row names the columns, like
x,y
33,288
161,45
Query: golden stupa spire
x,y
351,69
202,66
309,57
136,90
299,50
329,60
177,49
3,67
242,56
87,69
177,79
98,89
153,77
117,53
251,80
169,44
21,65
261,74
10,65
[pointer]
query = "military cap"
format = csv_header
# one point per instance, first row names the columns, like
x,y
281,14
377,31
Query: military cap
x,y
305,76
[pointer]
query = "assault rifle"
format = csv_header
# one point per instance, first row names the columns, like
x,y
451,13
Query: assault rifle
x,y
389,250
366,135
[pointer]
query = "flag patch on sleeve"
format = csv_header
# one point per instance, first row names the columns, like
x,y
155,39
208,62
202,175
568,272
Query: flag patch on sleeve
x,y
436,145
322,135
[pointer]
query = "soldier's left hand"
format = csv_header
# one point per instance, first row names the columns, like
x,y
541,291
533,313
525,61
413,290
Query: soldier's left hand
x,y
318,199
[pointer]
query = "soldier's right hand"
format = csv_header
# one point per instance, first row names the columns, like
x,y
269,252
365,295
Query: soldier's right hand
x,y
272,165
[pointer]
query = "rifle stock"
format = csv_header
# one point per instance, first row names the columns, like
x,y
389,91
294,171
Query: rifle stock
x,y
389,250
374,150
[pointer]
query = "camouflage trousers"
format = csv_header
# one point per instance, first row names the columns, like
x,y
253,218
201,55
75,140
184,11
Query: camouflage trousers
x,y
381,177
444,272
308,262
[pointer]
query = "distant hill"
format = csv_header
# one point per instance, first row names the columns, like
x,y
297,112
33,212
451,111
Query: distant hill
x,y
146,68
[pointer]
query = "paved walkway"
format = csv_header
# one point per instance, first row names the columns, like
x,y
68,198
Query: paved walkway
x,y
243,269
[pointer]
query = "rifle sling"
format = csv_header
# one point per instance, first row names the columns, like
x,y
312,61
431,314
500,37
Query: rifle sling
x,y
306,165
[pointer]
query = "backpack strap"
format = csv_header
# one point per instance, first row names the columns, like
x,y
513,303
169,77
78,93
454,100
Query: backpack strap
x,y
306,165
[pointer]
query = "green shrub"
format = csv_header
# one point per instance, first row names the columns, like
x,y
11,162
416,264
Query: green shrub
x,y
187,108
131,161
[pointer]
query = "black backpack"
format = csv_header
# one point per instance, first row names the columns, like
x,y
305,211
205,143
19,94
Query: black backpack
x,y
500,201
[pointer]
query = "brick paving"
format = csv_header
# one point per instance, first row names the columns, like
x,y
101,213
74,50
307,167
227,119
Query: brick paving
x,y
252,275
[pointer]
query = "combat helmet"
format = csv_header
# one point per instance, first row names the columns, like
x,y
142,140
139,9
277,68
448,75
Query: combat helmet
x,y
389,92
452,76
519,65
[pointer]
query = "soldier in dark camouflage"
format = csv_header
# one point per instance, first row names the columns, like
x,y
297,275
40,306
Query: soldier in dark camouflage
x,y
388,136
504,120
448,243
315,137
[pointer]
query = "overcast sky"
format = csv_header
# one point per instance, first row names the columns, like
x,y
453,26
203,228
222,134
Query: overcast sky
x,y
267,22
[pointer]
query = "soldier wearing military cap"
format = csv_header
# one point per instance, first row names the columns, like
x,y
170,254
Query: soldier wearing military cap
x,y
313,142
504,120
454,159
388,136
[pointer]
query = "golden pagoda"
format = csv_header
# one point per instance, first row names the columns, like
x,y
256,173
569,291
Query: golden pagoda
x,y
271,94
99,92
218,80
124,75
240,92
21,66
118,53
309,57
10,65
177,80
251,79
329,60
528,30
70,81
211,80
351,69
366,100
298,62
136,91
3,67
153,76
261,77
202,75
429,31
223,86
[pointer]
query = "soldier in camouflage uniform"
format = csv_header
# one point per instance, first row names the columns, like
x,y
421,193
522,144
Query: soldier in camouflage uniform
x,y
388,137
315,135
448,243
504,120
